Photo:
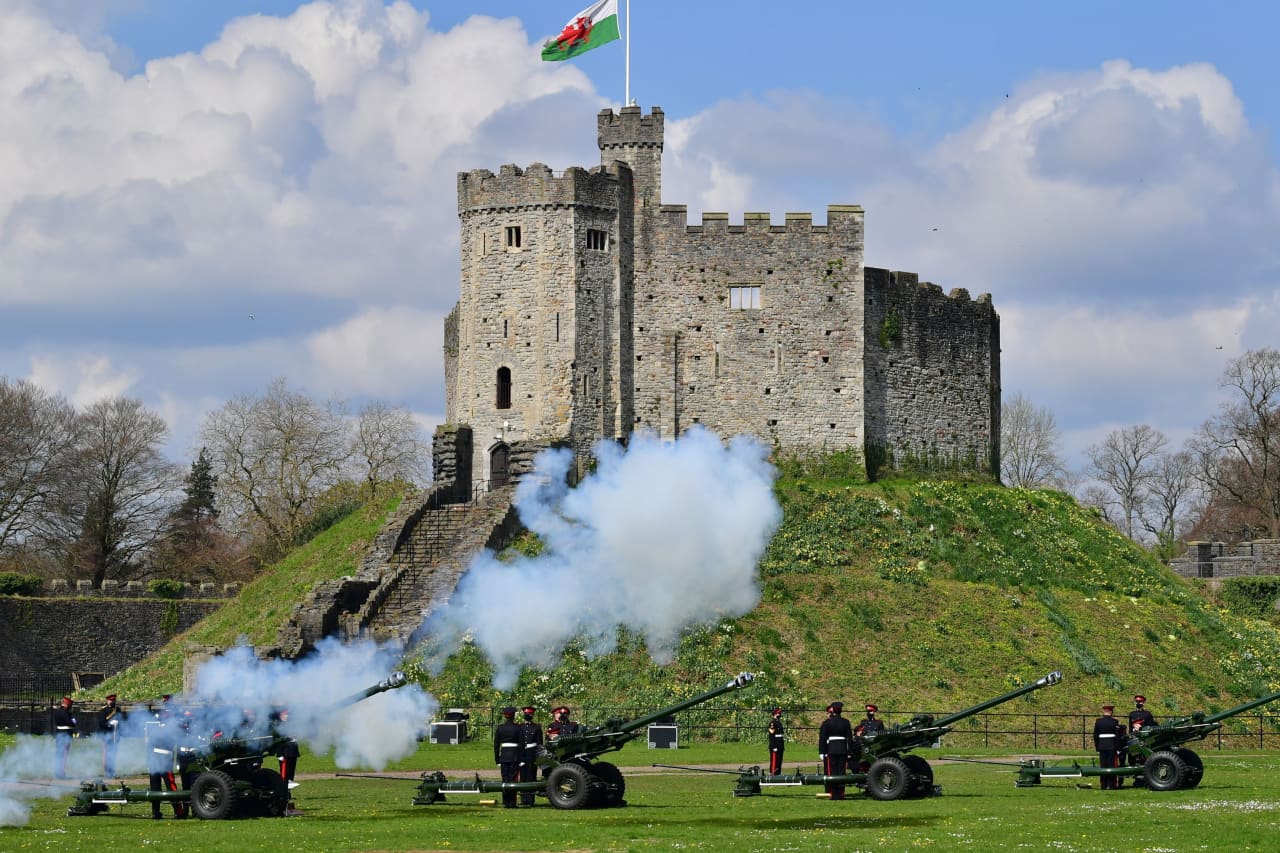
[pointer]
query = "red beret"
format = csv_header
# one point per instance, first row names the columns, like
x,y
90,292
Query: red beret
x,y
1108,707
111,697
528,709
1140,699
561,710
872,708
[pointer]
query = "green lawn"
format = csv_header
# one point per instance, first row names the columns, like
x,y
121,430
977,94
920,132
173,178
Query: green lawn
x,y
1237,807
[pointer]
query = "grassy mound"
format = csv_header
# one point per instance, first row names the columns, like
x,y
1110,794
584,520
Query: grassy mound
x,y
255,616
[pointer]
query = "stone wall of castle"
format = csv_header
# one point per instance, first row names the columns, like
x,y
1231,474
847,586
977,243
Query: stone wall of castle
x,y
1216,560
790,370
933,381
542,306
54,637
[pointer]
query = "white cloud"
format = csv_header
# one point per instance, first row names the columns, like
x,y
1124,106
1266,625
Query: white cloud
x,y
380,351
83,380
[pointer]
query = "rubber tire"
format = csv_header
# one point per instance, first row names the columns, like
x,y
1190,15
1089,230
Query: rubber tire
x,y
1166,771
569,787
214,797
1195,767
922,776
613,788
276,801
888,778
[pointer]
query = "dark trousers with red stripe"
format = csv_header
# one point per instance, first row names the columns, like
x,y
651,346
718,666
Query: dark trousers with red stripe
x,y
775,761
165,782
836,765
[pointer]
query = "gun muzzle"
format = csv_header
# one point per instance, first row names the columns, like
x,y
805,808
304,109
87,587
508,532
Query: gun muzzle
x,y
1050,679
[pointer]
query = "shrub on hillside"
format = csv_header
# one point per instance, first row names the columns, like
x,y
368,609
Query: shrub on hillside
x,y
12,583
1251,596
165,588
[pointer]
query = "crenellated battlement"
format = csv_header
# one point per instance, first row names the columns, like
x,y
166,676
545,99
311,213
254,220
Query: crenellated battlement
x,y
630,128
842,219
538,186
875,278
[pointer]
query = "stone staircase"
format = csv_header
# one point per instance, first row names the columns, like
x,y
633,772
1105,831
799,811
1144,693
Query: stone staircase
x,y
414,564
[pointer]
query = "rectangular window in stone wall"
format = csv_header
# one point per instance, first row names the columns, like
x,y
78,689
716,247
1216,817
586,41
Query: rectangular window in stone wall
x,y
597,240
744,297
513,237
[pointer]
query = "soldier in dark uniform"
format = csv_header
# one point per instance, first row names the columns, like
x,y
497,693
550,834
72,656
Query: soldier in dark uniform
x,y
777,741
869,726
287,751
1108,740
561,724
835,739
110,721
187,749
506,753
162,743
530,746
64,727
1139,718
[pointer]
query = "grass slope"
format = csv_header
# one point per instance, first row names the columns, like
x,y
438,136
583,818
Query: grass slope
x,y
935,595
262,607
918,595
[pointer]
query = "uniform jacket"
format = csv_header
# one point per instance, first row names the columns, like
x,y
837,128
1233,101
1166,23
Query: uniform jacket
x,y
834,736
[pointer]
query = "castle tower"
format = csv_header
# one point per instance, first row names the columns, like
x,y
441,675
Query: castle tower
x,y
533,347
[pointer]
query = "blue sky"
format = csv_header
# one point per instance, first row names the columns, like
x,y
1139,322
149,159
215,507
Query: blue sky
x,y
196,198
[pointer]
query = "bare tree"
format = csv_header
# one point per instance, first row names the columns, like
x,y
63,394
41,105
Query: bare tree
x,y
387,445
38,433
273,456
1030,446
1239,449
122,489
1124,462
1171,491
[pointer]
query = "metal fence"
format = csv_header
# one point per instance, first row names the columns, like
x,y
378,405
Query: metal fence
x,y
991,730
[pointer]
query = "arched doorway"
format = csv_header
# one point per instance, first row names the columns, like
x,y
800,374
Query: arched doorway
x,y
499,458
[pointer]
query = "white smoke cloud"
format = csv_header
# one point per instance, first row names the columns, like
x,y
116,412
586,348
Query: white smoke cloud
x,y
236,694
372,733
661,537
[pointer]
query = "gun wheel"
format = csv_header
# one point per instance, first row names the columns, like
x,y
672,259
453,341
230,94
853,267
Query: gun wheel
x,y
272,792
1195,767
887,779
569,787
921,776
213,796
1166,771
613,786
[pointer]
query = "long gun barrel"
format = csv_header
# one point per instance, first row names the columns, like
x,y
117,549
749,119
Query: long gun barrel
x,y
614,734
923,729
391,682
1197,726
1048,680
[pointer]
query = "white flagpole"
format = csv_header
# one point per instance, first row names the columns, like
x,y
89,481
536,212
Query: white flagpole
x,y
627,95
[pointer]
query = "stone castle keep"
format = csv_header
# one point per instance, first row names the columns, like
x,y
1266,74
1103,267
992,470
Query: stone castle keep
x,y
589,309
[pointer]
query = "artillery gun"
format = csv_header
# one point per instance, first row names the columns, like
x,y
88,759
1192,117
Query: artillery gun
x,y
230,780
574,780
886,771
1163,763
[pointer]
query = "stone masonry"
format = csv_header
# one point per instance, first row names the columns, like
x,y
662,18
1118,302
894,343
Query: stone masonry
x,y
588,309
1216,560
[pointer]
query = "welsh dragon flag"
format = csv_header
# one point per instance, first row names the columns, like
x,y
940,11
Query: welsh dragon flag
x,y
593,26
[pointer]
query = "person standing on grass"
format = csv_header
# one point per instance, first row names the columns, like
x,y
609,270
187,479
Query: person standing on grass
x,y
1108,738
64,727
777,741
506,753
530,746
835,738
